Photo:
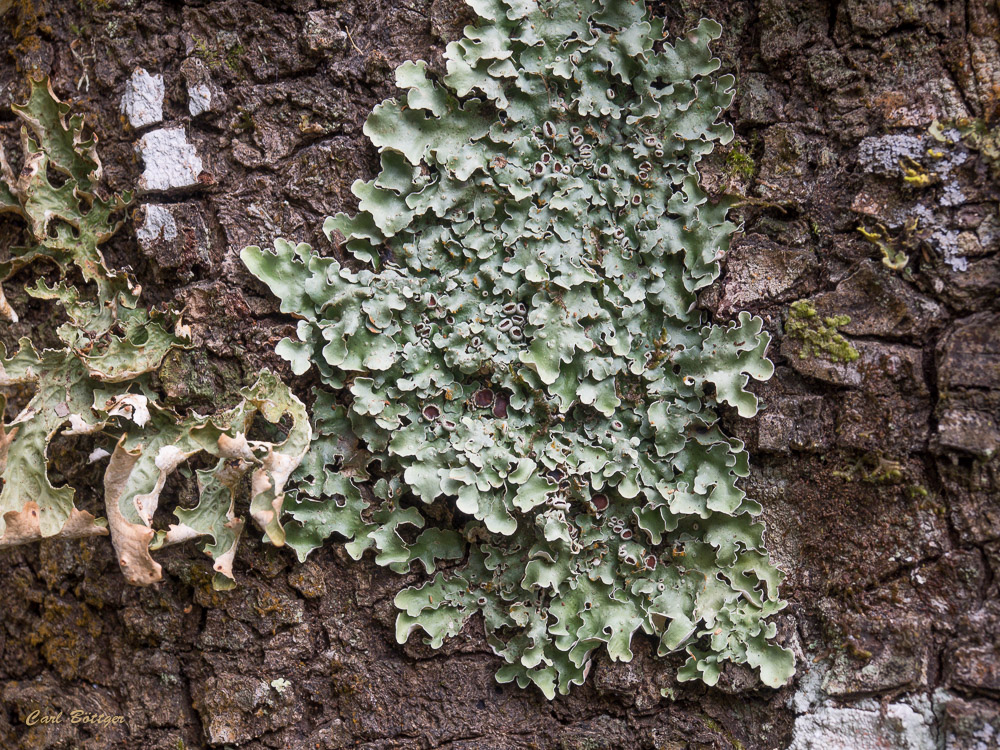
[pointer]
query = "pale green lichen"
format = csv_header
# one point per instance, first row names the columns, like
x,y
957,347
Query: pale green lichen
x,y
515,348
98,383
818,336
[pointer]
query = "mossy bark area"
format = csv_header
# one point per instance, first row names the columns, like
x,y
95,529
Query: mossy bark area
x,y
878,475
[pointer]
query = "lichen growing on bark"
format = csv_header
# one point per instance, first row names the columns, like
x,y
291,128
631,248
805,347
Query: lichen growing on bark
x,y
817,335
518,344
98,383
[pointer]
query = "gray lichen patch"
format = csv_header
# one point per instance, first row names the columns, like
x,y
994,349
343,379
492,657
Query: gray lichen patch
x,y
171,161
922,720
937,173
882,154
941,237
142,103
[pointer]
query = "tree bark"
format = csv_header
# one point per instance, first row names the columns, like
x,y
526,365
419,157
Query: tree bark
x,y
878,475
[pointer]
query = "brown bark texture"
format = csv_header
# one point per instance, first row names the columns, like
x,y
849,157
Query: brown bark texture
x,y
879,475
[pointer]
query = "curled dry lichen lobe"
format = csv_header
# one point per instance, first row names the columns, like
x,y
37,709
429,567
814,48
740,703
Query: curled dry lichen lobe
x,y
98,382
517,339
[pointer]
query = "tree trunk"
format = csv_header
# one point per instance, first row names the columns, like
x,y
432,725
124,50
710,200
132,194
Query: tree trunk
x,y
868,173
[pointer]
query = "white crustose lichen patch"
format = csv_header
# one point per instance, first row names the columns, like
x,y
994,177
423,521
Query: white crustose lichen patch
x,y
142,103
171,161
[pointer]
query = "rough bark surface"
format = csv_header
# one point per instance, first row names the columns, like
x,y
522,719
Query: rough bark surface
x,y
879,476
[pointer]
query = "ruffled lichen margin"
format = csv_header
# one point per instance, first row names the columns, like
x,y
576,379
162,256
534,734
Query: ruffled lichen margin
x,y
518,381
98,385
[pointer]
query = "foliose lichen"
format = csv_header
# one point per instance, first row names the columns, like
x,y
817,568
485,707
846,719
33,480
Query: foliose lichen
x,y
893,255
98,383
514,354
818,336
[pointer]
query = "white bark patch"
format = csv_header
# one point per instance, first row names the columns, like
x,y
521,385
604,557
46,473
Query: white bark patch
x,y
159,225
894,727
199,99
171,161
142,103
